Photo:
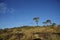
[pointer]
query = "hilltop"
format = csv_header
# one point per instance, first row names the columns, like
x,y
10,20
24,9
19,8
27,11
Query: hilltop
x,y
30,33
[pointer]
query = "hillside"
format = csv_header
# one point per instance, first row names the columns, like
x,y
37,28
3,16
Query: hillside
x,y
30,33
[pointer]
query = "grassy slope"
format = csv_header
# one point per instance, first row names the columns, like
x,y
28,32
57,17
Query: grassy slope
x,y
10,34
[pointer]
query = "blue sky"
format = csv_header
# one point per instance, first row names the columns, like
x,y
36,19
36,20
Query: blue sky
x,y
14,13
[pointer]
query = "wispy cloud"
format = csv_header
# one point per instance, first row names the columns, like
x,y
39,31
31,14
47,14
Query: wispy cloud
x,y
4,9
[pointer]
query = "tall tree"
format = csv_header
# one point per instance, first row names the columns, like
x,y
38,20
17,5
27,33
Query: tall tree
x,y
36,19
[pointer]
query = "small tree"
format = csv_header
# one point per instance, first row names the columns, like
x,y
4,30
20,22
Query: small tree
x,y
53,24
48,22
44,23
36,19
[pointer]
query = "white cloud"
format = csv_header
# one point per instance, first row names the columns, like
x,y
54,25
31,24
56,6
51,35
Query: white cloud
x,y
11,10
4,9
